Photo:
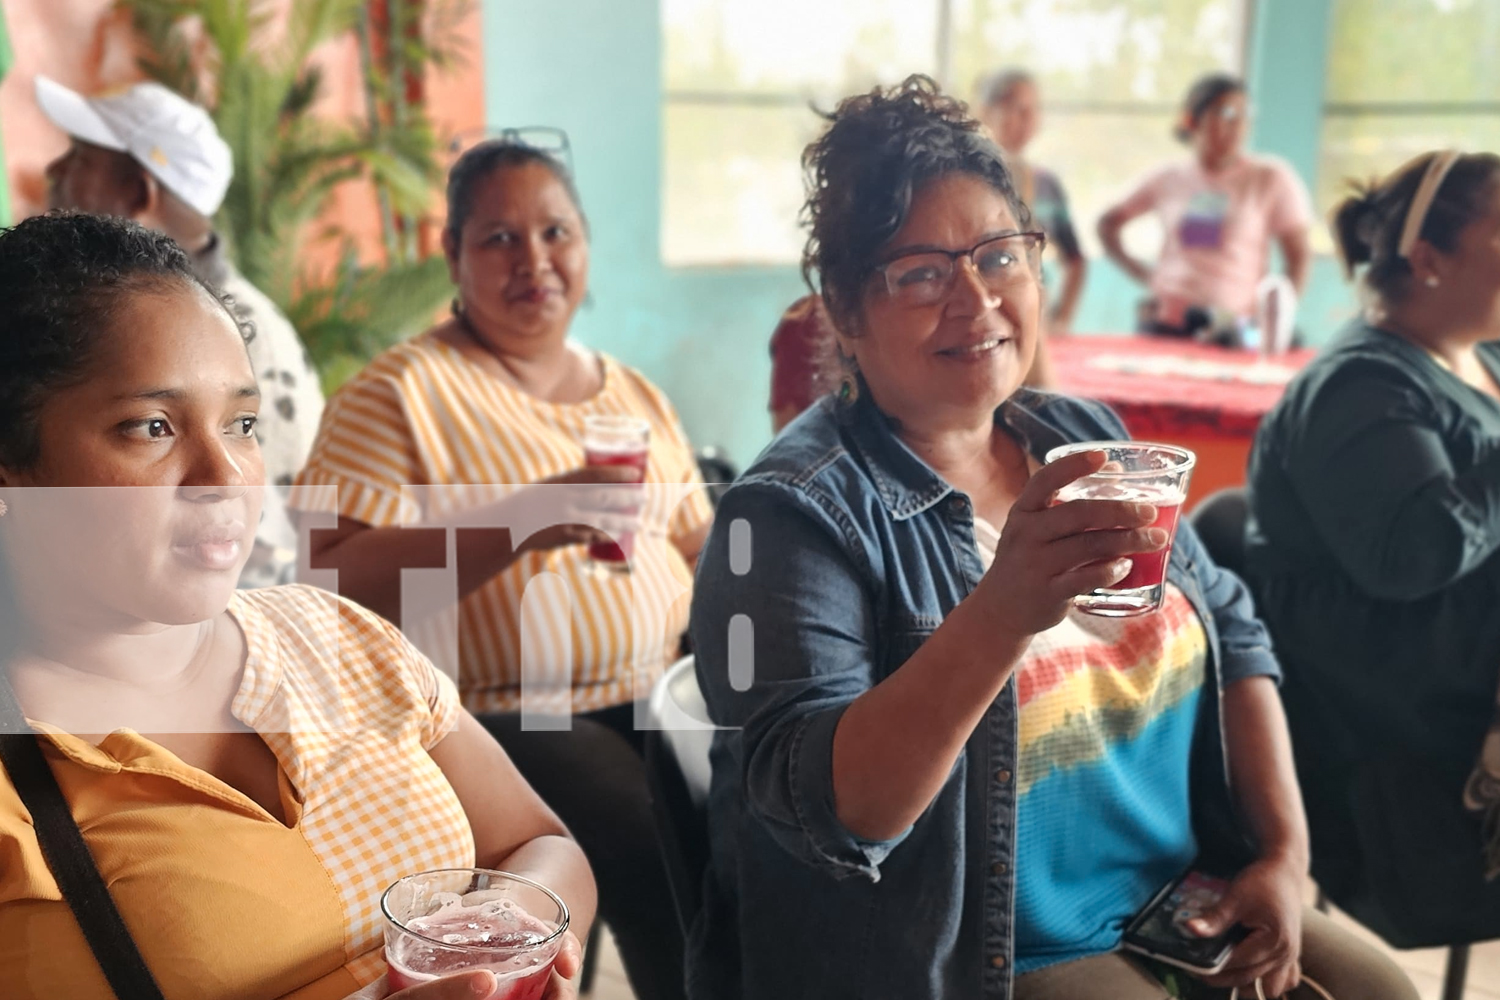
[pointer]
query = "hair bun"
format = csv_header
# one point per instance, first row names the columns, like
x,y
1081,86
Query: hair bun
x,y
1355,222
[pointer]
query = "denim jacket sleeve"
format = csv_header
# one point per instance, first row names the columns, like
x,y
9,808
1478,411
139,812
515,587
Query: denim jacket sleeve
x,y
805,594
1244,642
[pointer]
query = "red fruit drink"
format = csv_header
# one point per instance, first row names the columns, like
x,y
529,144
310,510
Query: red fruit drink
x,y
499,936
1149,569
617,441
1142,589
620,550
1134,472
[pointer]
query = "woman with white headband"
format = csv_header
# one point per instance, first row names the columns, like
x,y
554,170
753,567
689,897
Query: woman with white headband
x,y
1374,548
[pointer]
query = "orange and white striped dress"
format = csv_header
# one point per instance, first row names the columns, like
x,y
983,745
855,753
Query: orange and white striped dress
x,y
405,441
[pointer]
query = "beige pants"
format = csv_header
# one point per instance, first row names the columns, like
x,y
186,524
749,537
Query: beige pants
x,y
1342,963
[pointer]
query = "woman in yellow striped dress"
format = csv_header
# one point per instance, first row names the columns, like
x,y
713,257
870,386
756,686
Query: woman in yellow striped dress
x,y
498,395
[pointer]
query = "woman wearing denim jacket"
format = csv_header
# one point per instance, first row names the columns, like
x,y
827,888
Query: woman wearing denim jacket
x,y
936,780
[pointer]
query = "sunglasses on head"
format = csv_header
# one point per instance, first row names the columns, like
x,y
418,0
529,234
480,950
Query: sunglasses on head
x,y
542,138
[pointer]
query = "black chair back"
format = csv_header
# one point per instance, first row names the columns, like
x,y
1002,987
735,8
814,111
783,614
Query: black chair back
x,y
1220,522
717,471
677,774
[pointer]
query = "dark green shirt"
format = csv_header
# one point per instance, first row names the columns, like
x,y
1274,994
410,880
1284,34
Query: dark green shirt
x,y
1371,547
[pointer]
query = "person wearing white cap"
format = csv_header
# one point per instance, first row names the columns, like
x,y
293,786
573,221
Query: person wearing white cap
x,y
148,154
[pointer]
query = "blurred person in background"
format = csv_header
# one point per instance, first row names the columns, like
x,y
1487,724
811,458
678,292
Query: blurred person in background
x,y
1374,550
1011,107
1220,211
150,155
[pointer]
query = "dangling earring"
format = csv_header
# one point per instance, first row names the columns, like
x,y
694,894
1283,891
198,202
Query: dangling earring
x,y
849,382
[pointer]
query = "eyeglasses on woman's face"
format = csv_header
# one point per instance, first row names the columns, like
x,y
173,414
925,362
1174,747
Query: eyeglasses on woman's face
x,y
925,277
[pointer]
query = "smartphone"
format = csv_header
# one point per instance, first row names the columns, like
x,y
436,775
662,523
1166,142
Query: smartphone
x,y
1161,932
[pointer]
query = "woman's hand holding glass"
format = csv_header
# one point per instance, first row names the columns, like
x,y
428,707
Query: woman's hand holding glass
x,y
584,506
481,984
1051,552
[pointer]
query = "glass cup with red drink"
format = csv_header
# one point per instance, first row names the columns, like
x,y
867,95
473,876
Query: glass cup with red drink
x,y
454,920
621,441
1140,472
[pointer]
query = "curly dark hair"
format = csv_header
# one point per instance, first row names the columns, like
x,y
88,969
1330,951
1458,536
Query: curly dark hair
x,y
879,150
62,276
1367,224
484,159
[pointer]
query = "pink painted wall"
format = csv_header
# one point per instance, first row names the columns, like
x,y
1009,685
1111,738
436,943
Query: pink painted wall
x,y
86,45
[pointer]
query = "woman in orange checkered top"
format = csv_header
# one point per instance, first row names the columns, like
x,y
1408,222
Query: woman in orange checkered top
x,y
249,769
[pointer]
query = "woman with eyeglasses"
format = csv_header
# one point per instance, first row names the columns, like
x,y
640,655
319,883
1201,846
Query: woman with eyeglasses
x,y
499,395
1220,212
936,778
1374,550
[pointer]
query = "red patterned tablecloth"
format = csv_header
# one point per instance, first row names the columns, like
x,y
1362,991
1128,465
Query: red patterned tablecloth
x,y
1166,388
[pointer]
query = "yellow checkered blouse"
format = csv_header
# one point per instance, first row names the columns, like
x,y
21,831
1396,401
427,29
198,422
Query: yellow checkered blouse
x,y
223,899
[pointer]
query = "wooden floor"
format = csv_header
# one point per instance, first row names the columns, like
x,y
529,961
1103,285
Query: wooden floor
x,y
1425,968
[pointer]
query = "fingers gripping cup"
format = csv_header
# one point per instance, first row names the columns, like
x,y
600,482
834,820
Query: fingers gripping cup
x,y
616,441
444,922
1139,472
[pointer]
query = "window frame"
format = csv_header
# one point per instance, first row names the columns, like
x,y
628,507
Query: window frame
x,y
943,59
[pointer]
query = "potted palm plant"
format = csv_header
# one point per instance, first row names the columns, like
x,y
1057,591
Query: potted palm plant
x,y
249,62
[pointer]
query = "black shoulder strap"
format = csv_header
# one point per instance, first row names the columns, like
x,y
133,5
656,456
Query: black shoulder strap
x,y
68,856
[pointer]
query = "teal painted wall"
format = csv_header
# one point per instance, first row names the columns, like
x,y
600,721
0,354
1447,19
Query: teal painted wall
x,y
1286,72
593,67
1288,42
5,61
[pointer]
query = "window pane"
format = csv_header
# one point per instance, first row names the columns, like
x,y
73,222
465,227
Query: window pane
x,y
1145,51
1435,56
1412,51
1092,53
739,78
1366,146
732,183
738,73
1362,147
1099,157
822,48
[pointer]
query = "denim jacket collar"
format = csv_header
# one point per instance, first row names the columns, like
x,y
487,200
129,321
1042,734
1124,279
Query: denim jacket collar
x,y
905,483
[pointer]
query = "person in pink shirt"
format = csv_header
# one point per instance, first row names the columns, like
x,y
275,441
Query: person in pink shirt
x,y
1221,211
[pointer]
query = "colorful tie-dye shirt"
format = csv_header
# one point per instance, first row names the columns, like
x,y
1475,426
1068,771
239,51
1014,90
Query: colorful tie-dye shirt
x,y
1108,708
